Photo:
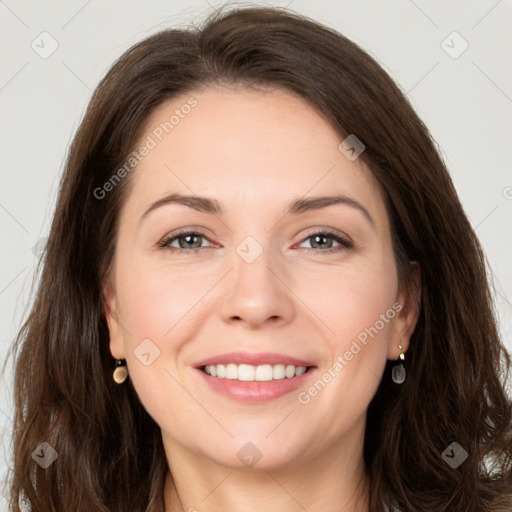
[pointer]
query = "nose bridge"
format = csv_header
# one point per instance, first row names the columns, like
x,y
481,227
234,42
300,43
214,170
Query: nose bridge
x,y
254,262
255,292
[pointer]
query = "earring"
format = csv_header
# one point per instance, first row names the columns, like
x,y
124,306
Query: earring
x,y
398,373
121,372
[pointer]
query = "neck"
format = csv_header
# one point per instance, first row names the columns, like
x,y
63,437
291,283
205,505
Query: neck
x,y
266,492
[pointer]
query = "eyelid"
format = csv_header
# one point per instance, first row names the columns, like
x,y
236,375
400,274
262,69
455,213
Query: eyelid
x,y
182,232
325,231
344,241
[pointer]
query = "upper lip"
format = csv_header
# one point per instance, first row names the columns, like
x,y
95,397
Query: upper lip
x,y
254,359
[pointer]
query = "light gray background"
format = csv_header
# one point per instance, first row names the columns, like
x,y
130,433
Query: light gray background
x,y
465,101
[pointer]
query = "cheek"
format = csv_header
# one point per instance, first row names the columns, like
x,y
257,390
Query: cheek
x,y
156,298
356,301
158,313
358,309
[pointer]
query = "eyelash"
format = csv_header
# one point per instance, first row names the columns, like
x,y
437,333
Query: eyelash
x,y
344,243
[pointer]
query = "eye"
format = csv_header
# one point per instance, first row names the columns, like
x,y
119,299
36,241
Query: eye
x,y
186,237
319,238
188,243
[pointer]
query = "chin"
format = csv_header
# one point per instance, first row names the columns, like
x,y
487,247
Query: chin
x,y
258,454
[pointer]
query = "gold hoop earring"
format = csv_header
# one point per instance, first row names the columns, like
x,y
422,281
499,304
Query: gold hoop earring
x,y
121,371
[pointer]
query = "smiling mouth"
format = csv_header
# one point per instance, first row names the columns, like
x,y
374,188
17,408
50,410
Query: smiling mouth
x,y
259,373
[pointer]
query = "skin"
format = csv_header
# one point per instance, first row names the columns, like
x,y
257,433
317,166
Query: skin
x,y
255,151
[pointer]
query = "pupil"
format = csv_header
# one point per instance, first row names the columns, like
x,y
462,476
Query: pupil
x,y
187,237
320,237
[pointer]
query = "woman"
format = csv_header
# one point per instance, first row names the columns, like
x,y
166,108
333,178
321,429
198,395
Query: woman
x,y
248,371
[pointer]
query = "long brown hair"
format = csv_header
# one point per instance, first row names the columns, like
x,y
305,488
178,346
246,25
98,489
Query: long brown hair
x,y
110,452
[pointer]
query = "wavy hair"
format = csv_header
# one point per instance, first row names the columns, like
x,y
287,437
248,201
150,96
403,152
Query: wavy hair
x,y
110,451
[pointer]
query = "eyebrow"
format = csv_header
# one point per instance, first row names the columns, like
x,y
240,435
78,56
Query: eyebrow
x,y
296,207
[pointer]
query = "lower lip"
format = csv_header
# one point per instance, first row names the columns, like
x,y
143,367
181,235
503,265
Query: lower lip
x,y
255,391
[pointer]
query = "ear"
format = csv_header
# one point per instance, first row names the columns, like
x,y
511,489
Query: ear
x,y
405,321
111,313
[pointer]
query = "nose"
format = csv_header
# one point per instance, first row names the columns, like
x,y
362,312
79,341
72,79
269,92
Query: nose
x,y
257,292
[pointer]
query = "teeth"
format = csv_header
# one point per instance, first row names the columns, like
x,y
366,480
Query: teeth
x,y
248,372
264,372
231,371
290,371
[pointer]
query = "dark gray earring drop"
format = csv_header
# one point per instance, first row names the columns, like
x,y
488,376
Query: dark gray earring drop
x,y
398,373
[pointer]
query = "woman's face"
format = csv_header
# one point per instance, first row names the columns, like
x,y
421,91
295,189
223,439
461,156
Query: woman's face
x,y
267,279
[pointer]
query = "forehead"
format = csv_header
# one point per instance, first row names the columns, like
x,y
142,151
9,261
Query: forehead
x,y
247,148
